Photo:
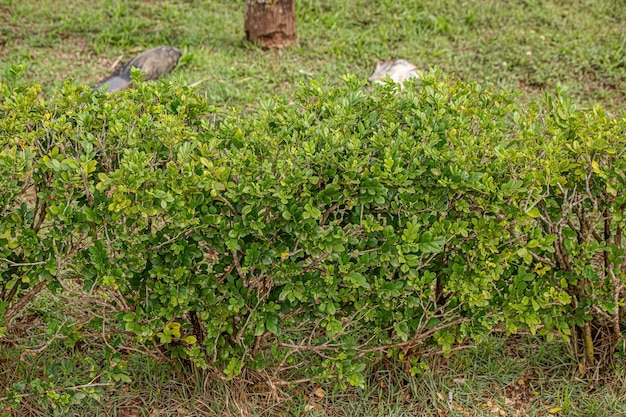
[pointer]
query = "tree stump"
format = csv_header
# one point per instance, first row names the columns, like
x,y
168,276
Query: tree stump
x,y
271,23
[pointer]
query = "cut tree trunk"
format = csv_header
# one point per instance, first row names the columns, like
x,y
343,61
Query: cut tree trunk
x,y
271,23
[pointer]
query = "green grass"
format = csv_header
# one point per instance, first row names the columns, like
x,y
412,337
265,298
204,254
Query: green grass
x,y
519,45
529,46
520,376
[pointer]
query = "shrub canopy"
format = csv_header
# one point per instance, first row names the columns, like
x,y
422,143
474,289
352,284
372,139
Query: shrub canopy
x,y
351,223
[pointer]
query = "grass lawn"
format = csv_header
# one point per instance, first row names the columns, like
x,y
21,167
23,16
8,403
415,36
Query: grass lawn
x,y
528,46
519,45
515,376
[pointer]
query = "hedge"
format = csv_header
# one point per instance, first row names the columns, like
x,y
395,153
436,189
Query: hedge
x,y
321,234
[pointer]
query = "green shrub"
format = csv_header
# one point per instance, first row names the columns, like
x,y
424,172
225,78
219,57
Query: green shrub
x,y
348,225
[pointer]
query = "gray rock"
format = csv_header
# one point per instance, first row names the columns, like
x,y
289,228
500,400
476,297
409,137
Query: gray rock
x,y
154,63
114,83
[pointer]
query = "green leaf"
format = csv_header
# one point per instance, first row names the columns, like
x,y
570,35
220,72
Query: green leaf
x,y
534,212
190,340
357,280
271,324
124,378
433,322
535,305
259,329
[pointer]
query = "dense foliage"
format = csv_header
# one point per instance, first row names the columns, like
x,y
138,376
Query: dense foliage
x,y
350,224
